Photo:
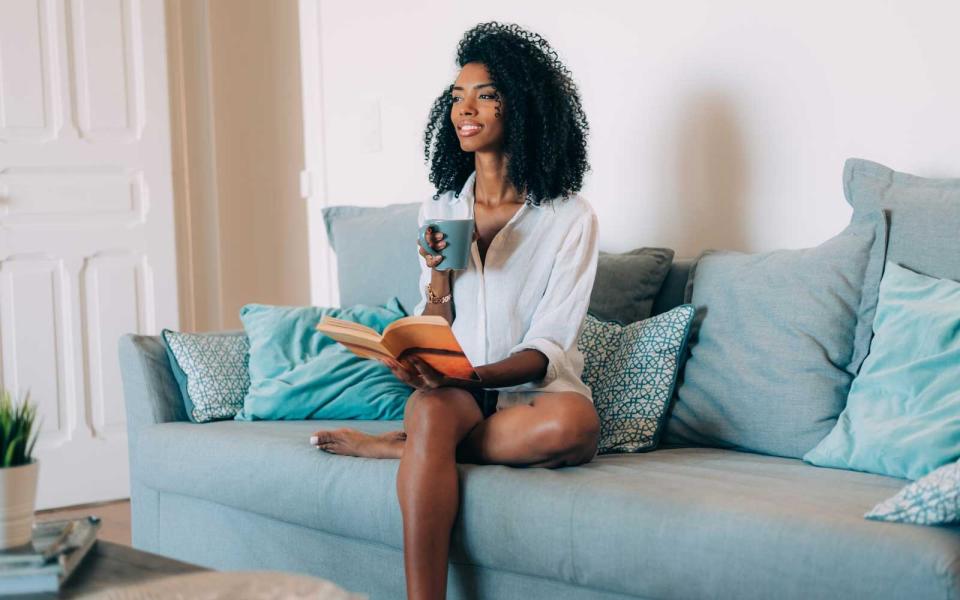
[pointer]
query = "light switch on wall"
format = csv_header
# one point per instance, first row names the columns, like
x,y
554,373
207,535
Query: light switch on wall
x,y
370,130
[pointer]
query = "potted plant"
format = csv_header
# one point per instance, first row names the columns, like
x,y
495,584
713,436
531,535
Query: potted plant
x,y
18,470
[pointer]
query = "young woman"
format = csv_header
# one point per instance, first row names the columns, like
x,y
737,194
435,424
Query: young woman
x,y
507,147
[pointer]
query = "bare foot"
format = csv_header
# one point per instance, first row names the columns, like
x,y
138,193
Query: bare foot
x,y
350,442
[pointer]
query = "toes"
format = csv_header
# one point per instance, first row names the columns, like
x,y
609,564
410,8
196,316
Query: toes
x,y
328,447
321,437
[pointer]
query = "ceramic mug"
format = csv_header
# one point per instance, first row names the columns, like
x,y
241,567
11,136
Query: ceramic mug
x,y
458,234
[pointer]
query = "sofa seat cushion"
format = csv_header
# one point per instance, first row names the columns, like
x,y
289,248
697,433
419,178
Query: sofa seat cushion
x,y
679,523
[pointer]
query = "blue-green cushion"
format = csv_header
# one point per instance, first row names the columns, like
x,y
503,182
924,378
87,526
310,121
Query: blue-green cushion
x,y
903,414
297,372
377,256
210,370
631,371
932,500
924,215
781,336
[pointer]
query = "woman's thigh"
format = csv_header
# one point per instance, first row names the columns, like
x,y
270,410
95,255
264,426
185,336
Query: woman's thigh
x,y
555,429
446,412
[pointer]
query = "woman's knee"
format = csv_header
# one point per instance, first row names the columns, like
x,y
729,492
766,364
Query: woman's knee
x,y
440,409
570,436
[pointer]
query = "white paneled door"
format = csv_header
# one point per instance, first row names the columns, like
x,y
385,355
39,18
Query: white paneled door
x,y
86,223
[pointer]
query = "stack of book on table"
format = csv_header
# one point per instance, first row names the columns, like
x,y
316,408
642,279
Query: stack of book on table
x,y
46,563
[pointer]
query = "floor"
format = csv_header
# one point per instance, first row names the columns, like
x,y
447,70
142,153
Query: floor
x,y
115,526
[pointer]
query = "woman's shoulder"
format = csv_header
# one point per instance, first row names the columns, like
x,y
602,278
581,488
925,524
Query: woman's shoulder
x,y
446,205
573,208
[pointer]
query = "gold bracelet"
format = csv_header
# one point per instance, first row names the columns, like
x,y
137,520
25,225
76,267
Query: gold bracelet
x,y
435,299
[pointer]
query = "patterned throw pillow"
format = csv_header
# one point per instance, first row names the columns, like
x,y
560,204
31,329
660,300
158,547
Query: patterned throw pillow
x,y
931,500
631,371
211,369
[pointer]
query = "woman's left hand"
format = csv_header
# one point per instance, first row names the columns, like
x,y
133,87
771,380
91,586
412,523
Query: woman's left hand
x,y
433,378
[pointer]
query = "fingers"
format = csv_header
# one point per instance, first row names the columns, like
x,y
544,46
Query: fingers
x,y
434,239
432,260
403,373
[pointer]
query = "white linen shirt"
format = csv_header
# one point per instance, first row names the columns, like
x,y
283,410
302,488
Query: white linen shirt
x,y
531,292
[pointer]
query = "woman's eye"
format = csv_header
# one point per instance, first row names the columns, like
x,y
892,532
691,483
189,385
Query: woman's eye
x,y
491,96
455,98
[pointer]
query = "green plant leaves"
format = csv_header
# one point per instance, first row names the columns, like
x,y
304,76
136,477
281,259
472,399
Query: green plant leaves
x,y
17,432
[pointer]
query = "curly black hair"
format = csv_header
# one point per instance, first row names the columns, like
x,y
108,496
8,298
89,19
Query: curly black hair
x,y
545,128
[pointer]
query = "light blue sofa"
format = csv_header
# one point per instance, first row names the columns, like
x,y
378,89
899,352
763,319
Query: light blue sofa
x,y
674,523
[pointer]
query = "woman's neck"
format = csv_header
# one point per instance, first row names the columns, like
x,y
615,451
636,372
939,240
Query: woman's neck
x,y
491,186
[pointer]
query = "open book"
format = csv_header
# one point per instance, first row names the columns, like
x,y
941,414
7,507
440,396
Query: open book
x,y
429,337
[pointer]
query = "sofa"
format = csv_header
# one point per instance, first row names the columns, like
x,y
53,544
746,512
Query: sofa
x,y
683,521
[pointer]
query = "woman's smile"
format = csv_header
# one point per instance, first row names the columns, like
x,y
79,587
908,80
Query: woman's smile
x,y
468,128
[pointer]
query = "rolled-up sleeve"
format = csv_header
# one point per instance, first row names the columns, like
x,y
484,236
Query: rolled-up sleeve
x,y
424,270
558,318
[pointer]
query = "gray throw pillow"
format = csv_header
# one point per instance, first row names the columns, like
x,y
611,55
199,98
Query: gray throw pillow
x,y
924,215
627,283
778,339
376,251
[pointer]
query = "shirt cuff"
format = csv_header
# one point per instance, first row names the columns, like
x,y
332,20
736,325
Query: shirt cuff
x,y
551,350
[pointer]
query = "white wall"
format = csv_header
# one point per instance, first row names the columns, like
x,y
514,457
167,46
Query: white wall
x,y
713,124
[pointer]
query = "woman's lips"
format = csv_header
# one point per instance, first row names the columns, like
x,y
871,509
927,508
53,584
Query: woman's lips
x,y
469,130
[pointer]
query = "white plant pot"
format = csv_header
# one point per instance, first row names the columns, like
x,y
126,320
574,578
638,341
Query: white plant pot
x,y
18,497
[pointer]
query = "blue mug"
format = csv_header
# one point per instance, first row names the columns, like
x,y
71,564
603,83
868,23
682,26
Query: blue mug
x,y
458,234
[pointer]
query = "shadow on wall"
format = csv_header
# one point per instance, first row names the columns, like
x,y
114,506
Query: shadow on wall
x,y
711,176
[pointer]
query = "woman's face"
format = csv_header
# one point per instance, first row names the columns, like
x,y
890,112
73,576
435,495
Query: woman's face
x,y
477,110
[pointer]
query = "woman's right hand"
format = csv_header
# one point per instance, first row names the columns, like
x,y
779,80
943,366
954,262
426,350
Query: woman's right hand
x,y
435,239
405,372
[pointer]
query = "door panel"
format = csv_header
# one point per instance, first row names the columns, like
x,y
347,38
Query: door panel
x,y
86,223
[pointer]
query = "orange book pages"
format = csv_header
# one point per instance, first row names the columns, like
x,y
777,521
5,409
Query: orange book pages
x,y
366,352
451,364
347,336
327,320
415,321
431,338
424,332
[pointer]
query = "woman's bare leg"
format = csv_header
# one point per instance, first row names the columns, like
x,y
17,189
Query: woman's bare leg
x,y
427,485
555,430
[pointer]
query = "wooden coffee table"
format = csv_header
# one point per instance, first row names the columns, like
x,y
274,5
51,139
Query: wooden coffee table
x,y
113,570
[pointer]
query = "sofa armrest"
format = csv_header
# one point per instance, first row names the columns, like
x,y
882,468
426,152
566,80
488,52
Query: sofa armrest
x,y
150,392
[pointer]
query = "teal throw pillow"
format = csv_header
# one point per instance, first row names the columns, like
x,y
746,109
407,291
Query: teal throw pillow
x,y
211,371
631,371
779,337
903,414
297,372
932,500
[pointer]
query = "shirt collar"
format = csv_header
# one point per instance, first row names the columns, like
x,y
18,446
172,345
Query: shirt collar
x,y
466,192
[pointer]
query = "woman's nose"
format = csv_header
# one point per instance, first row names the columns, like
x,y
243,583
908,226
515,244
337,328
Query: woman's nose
x,y
467,108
